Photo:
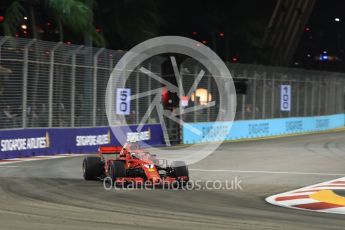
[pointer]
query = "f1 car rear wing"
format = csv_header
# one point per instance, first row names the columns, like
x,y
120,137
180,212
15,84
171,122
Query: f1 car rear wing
x,y
110,149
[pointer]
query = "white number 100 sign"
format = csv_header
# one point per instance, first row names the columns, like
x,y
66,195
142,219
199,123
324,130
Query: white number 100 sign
x,y
285,98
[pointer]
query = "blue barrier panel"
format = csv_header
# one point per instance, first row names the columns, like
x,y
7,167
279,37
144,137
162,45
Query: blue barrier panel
x,y
216,131
29,142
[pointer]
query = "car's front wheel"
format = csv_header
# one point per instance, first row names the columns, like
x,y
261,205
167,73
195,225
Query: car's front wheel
x,y
180,169
117,169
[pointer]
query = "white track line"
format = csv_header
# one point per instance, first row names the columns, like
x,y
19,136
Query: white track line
x,y
37,158
15,166
266,172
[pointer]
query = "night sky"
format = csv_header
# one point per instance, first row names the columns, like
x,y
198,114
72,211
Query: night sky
x,y
234,29
324,36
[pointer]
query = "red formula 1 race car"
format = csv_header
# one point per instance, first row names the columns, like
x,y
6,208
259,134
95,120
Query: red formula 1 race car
x,y
131,164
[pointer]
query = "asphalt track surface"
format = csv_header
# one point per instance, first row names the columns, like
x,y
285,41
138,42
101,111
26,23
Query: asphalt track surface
x,y
51,194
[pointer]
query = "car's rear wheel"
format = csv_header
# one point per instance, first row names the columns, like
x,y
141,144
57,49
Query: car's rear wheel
x,y
92,168
117,170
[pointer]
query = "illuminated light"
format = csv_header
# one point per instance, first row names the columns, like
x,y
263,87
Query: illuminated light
x,y
234,59
201,96
17,35
25,32
68,42
337,19
327,58
1,18
165,95
195,33
25,18
296,63
24,27
198,44
221,34
308,55
323,57
325,52
307,29
204,41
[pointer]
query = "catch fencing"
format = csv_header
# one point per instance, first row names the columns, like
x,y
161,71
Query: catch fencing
x,y
48,84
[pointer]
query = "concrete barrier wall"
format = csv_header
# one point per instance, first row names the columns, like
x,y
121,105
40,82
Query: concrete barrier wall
x,y
48,141
246,129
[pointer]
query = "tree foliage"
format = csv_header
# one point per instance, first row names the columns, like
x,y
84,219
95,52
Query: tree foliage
x,y
73,14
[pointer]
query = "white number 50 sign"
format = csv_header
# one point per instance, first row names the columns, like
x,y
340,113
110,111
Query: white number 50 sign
x,y
123,101
285,98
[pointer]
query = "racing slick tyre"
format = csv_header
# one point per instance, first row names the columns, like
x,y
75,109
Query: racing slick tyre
x,y
92,168
117,170
179,169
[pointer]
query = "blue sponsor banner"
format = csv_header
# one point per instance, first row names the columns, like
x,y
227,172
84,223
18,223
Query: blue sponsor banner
x,y
31,142
216,131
